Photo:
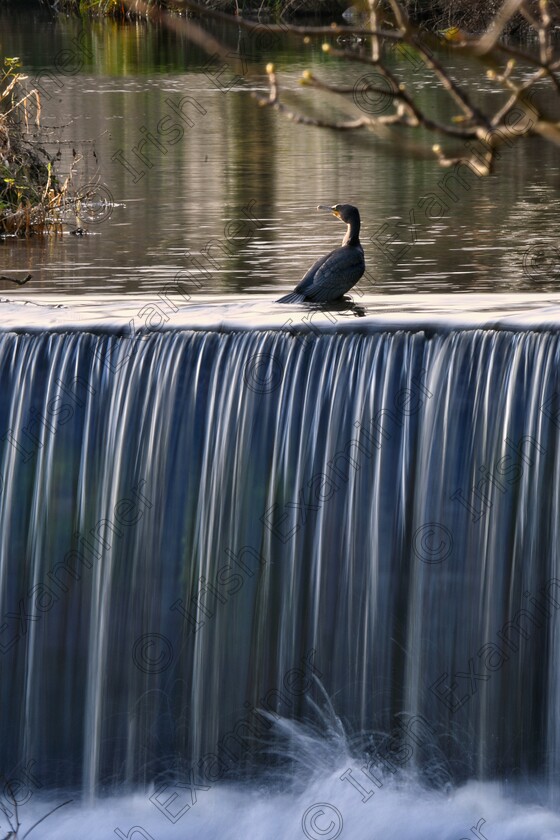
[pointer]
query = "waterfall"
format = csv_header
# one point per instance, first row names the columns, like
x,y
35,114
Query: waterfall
x,y
204,532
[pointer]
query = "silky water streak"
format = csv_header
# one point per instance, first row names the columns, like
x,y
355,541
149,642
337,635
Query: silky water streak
x,y
212,536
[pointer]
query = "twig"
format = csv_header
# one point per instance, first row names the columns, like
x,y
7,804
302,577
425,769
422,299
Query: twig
x,y
289,29
492,35
68,801
451,86
20,283
375,42
273,100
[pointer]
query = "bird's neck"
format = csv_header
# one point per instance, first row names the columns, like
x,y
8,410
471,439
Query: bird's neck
x,y
352,234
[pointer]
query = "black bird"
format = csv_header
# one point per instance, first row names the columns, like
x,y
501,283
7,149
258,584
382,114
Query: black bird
x,y
334,275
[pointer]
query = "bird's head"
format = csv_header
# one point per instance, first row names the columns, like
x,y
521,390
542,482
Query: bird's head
x,y
345,212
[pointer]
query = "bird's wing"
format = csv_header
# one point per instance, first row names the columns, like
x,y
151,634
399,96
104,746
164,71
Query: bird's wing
x,y
309,275
333,275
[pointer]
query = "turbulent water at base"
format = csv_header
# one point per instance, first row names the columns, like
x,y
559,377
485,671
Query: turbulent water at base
x,y
205,536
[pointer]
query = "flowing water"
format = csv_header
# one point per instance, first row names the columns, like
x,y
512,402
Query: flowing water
x,y
343,523
271,570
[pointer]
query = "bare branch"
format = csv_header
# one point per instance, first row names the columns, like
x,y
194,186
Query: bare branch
x,y
518,92
419,118
481,163
375,42
290,29
549,130
452,87
401,16
494,31
273,101
310,80
472,124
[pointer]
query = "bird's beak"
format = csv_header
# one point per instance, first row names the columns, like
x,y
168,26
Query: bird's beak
x,y
330,209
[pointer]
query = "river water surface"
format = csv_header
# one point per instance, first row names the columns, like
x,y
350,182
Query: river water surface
x,y
225,158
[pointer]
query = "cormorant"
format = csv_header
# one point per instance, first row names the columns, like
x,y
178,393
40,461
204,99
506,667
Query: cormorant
x,y
335,274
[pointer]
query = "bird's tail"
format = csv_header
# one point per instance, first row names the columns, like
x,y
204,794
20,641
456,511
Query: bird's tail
x,y
293,297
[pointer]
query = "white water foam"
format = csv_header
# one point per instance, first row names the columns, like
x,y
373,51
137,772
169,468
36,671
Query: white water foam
x,y
174,308
402,811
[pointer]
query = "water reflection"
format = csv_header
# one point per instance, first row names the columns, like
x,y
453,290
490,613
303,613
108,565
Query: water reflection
x,y
186,161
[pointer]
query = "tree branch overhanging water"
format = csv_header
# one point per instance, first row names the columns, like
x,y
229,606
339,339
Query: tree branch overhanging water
x,y
518,117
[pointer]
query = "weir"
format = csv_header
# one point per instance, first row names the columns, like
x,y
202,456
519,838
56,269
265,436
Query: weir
x,y
206,528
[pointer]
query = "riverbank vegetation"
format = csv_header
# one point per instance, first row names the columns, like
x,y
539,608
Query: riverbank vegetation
x,y
470,15
33,200
276,8
28,188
